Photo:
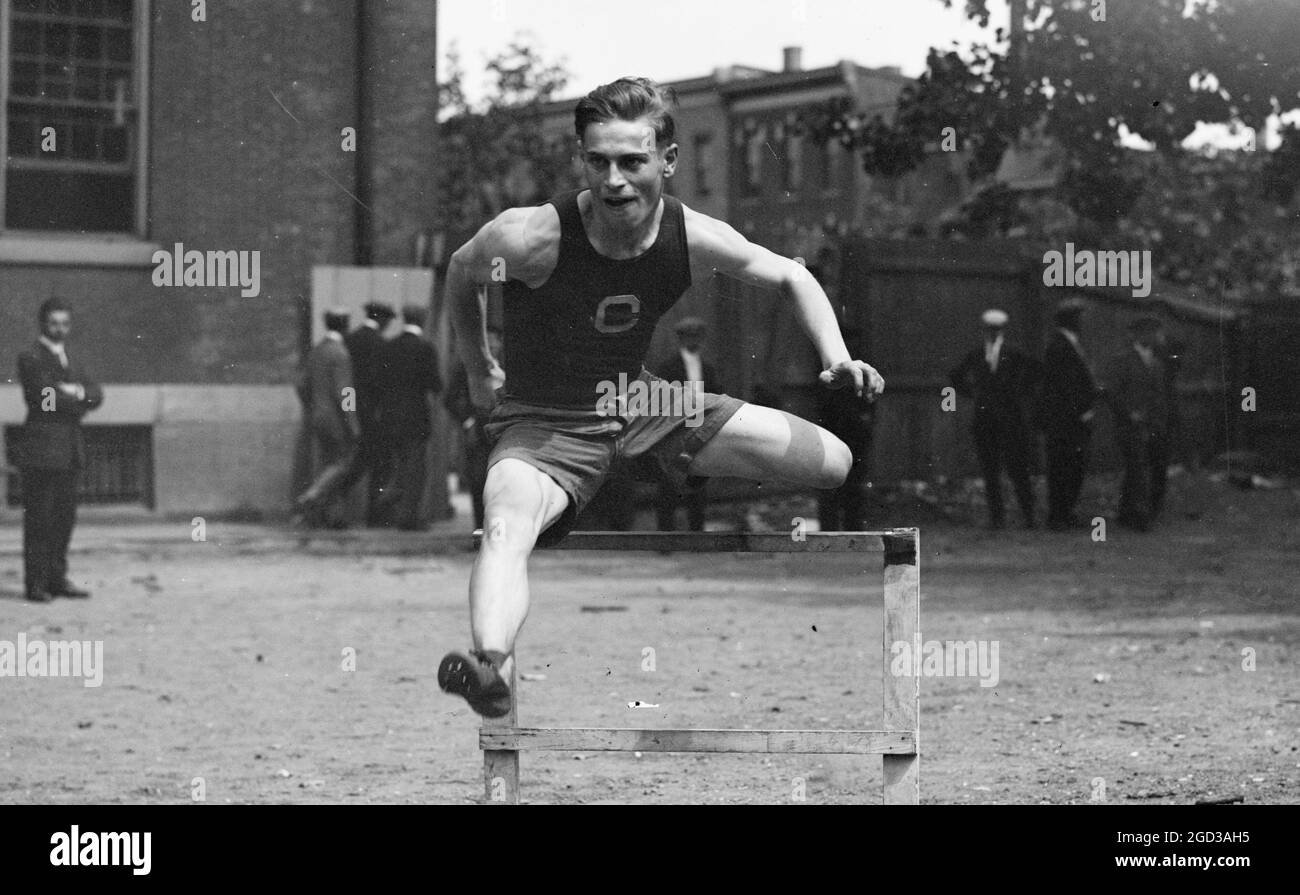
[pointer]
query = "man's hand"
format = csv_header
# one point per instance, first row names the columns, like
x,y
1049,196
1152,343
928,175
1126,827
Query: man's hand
x,y
482,389
855,374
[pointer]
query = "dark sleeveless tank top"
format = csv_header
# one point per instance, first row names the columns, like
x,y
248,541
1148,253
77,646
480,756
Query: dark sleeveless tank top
x,y
593,319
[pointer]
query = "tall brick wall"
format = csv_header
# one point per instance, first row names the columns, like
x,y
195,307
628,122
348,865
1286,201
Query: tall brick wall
x,y
246,114
400,56
233,169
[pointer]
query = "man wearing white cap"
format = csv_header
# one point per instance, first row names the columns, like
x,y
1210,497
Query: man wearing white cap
x,y
1001,380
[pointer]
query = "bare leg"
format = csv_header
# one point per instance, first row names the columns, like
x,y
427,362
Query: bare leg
x,y
764,443
520,501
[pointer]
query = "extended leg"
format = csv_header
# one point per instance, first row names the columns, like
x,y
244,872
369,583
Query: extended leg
x,y
764,443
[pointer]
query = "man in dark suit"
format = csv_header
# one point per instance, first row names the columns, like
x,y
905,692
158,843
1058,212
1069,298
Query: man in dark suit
x,y
1002,382
1065,413
1138,392
685,365
366,346
405,421
330,403
58,393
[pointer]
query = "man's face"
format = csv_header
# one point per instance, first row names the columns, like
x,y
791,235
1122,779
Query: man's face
x,y
57,325
991,333
625,170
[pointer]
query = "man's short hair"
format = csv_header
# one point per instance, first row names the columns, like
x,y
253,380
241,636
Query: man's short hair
x,y
415,315
628,99
48,307
1069,313
337,320
379,312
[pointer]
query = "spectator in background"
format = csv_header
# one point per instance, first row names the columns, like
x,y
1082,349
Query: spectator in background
x,y
686,366
1171,351
330,404
851,418
412,377
366,345
58,393
1001,380
1065,414
474,444
1138,392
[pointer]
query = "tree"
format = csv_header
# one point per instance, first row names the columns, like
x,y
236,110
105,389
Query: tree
x,y
1083,73
496,154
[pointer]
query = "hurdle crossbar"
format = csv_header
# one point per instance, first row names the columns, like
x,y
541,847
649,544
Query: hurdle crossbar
x,y
898,745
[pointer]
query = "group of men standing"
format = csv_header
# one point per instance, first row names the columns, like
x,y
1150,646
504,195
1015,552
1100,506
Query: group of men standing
x,y
366,399
1013,394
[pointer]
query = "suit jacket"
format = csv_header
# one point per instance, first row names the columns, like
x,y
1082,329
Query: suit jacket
x,y
412,375
1133,387
1069,390
1001,397
52,438
328,373
365,347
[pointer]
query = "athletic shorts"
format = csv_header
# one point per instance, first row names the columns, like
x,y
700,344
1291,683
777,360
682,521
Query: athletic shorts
x,y
578,447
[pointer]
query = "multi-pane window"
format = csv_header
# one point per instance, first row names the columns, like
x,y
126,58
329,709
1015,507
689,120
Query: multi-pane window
x,y
71,115
703,162
751,139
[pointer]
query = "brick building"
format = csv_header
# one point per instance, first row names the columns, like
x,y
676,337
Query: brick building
x,y
223,134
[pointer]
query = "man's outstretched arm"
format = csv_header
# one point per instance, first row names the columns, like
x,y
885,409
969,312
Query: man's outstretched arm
x,y
717,247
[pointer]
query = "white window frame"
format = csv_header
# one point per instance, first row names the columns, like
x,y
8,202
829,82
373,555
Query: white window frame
x,y
74,247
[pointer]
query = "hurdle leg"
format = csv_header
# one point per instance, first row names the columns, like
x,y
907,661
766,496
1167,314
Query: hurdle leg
x,y
902,693
501,766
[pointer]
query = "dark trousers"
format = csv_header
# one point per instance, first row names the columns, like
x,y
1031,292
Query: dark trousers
x,y
845,508
1000,444
338,478
1146,463
49,513
1067,463
667,499
405,472
336,457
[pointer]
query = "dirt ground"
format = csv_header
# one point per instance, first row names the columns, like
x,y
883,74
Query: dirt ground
x,y
1124,669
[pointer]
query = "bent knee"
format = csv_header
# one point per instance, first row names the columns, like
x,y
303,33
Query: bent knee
x,y
519,502
838,463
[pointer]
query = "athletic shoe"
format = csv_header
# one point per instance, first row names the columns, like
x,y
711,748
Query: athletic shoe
x,y
478,680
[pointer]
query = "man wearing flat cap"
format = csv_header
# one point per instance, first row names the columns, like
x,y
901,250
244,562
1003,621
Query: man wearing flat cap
x,y
1002,381
1137,391
1065,413
366,346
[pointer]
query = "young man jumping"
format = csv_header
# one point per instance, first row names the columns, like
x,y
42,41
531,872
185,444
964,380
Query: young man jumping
x,y
586,278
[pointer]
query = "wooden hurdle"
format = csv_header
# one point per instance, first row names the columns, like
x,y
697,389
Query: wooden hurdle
x,y
898,743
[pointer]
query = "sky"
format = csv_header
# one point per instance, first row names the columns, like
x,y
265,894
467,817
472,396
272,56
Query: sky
x,y
671,39
667,40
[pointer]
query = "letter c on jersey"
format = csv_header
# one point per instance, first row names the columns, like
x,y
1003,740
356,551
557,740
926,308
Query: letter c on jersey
x,y
620,320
